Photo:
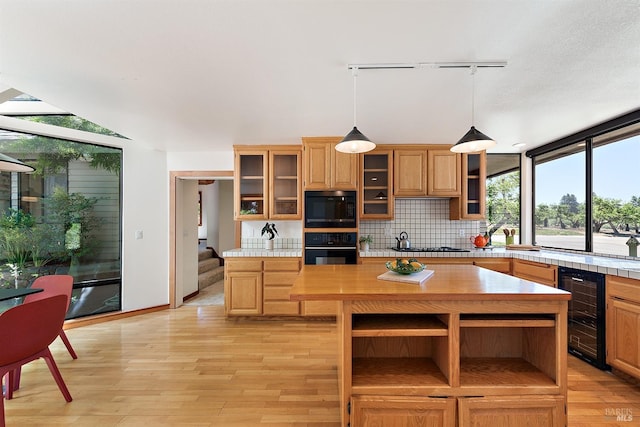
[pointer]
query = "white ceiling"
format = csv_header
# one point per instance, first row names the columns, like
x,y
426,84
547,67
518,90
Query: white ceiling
x,y
205,74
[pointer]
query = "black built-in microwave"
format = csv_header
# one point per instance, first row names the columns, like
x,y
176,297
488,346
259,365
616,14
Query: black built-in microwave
x,y
330,209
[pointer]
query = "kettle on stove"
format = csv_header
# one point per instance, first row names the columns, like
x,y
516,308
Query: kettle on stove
x,y
403,241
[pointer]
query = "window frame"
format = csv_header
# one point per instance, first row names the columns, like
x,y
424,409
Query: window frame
x,y
587,136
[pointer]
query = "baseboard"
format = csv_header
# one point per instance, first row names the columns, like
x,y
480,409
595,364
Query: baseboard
x,y
191,295
101,318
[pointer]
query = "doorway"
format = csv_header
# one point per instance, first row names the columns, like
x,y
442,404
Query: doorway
x,y
183,263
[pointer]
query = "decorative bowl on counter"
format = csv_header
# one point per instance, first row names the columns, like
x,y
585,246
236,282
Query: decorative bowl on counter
x,y
405,265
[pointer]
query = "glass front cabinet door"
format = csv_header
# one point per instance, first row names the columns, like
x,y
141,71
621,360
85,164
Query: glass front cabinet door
x,y
250,185
474,176
285,171
376,201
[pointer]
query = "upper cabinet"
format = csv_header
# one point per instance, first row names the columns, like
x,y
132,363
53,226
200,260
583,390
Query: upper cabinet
x,y
328,169
423,171
285,191
376,197
409,172
443,167
471,204
250,184
267,182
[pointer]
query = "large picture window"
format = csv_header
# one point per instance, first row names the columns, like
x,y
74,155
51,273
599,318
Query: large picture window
x,y
585,195
64,218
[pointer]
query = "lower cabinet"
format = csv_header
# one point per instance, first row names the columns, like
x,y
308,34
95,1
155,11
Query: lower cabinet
x,y
623,325
402,411
532,411
262,286
243,287
278,277
547,274
501,265
319,308
440,367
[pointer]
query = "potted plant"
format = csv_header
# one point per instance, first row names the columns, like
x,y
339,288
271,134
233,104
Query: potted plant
x,y
270,229
365,241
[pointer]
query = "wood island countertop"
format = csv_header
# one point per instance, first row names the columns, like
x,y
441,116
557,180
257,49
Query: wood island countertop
x,y
449,282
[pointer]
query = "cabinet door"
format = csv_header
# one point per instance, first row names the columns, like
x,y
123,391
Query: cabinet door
x,y
376,200
471,204
443,167
392,411
285,191
250,185
409,173
317,164
546,274
243,293
623,325
532,411
319,308
344,170
502,265
328,169
277,289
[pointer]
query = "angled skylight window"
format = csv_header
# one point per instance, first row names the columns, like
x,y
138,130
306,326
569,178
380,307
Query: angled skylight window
x,y
29,108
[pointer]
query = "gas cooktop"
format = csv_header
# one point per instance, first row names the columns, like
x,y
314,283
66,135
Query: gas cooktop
x,y
438,249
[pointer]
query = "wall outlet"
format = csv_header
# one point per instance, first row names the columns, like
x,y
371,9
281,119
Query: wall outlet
x,y
387,231
461,233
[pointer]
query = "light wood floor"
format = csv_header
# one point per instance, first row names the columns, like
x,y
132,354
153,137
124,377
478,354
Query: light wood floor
x,y
191,366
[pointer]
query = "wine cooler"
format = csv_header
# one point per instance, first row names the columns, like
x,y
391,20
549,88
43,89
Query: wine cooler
x,y
586,314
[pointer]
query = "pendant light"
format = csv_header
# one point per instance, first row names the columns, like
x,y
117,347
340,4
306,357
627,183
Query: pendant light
x,y
473,140
9,164
355,142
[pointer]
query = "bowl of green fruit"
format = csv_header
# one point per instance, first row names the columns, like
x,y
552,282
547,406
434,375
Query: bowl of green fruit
x,y
405,265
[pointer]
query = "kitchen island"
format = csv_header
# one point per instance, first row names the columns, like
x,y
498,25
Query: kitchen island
x,y
468,346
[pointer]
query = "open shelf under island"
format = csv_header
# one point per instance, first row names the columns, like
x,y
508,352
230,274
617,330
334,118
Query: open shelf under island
x,y
468,346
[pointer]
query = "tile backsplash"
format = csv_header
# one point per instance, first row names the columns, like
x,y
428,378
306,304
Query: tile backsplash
x,y
427,223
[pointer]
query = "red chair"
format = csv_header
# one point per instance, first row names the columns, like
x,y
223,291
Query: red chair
x,y
55,284
26,331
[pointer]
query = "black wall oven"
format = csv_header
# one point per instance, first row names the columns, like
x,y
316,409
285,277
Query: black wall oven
x,y
586,314
330,209
330,248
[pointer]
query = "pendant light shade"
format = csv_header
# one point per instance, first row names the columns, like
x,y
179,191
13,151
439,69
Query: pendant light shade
x,y
9,164
473,140
355,142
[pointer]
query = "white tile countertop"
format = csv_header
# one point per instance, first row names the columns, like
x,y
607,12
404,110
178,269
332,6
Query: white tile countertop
x,y
624,267
262,253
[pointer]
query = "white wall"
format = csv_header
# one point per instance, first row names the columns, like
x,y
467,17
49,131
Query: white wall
x,y
200,161
145,207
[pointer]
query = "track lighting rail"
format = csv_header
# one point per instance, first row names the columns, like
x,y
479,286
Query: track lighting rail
x,y
418,65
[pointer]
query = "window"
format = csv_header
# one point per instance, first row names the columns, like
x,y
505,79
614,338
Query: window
x,y
559,218
64,218
503,198
585,195
616,194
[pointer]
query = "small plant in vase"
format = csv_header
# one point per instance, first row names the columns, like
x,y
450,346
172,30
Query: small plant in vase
x,y
365,241
270,229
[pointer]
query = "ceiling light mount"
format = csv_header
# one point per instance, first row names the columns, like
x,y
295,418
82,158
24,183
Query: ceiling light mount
x,y
436,64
